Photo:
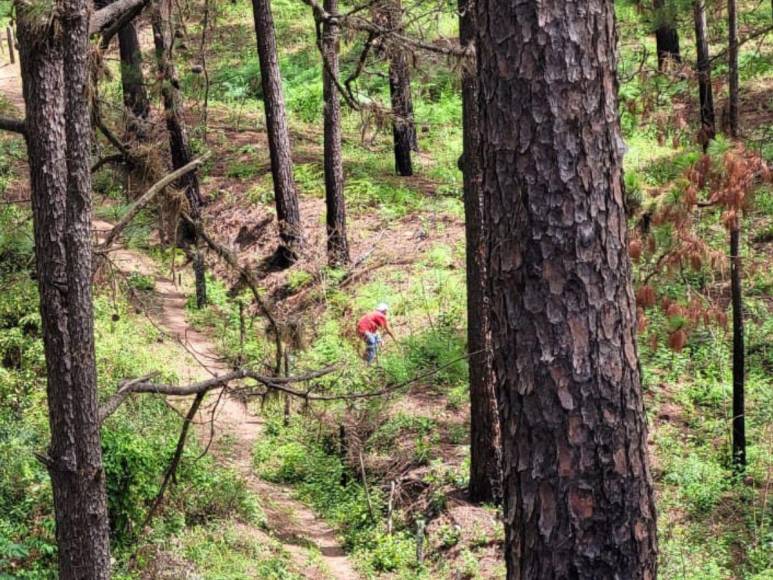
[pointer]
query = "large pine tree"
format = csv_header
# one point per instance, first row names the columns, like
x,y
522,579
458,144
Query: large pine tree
x,y
54,64
577,489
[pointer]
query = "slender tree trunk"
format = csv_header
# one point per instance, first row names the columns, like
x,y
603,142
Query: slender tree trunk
x,y
732,57
708,124
285,193
403,126
578,492
135,95
666,34
179,145
337,246
739,418
54,58
485,440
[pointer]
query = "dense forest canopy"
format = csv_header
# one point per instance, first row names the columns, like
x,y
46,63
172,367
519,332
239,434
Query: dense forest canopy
x,y
386,289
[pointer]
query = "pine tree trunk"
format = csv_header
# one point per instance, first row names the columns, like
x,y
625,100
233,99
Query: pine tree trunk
x,y
578,493
485,441
666,34
403,126
708,125
337,246
54,73
135,94
285,193
179,145
739,418
732,57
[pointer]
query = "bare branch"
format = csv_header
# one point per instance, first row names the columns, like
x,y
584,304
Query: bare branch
x,y
114,16
145,385
147,197
178,453
358,23
13,125
249,278
115,158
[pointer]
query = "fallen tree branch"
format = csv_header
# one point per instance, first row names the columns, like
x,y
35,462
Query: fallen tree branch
x,y
178,453
115,158
110,406
144,385
148,197
249,278
13,125
114,16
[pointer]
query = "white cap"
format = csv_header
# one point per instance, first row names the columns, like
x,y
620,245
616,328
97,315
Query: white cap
x,y
383,307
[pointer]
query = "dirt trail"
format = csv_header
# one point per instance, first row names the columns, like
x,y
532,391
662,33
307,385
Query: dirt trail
x,y
236,429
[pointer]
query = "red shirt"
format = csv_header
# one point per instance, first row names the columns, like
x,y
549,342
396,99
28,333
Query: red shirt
x,y
371,322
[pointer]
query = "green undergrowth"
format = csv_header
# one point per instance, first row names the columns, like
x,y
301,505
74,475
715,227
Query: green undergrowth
x,y
297,456
138,440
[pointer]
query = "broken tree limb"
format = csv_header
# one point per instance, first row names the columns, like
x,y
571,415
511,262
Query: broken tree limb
x,y
249,278
116,158
148,197
178,453
115,15
144,385
13,125
110,406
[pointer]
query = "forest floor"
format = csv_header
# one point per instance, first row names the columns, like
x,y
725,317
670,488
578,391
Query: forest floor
x,y
231,427
224,422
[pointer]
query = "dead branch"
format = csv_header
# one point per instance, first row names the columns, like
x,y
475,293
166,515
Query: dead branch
x,y
360,63
144,385
115,158
13,125
355,22
249,278
178,453
114,16
148,197
347,95
110,406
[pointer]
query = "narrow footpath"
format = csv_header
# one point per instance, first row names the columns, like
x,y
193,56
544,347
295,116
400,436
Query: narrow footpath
x,y
235,428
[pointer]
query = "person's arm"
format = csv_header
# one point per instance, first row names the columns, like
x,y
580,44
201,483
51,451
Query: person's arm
x,y
388,330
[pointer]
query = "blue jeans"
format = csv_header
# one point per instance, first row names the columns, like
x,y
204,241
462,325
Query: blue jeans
x,y
372,341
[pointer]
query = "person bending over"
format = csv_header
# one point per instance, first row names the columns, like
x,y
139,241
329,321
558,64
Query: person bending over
x,y
368,328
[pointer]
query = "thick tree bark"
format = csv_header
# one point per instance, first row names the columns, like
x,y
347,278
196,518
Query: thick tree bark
x,y
739,417
732,61
485,441
54,60
403,126
337,246
578,492
179,145
285,192
708,125
666,34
